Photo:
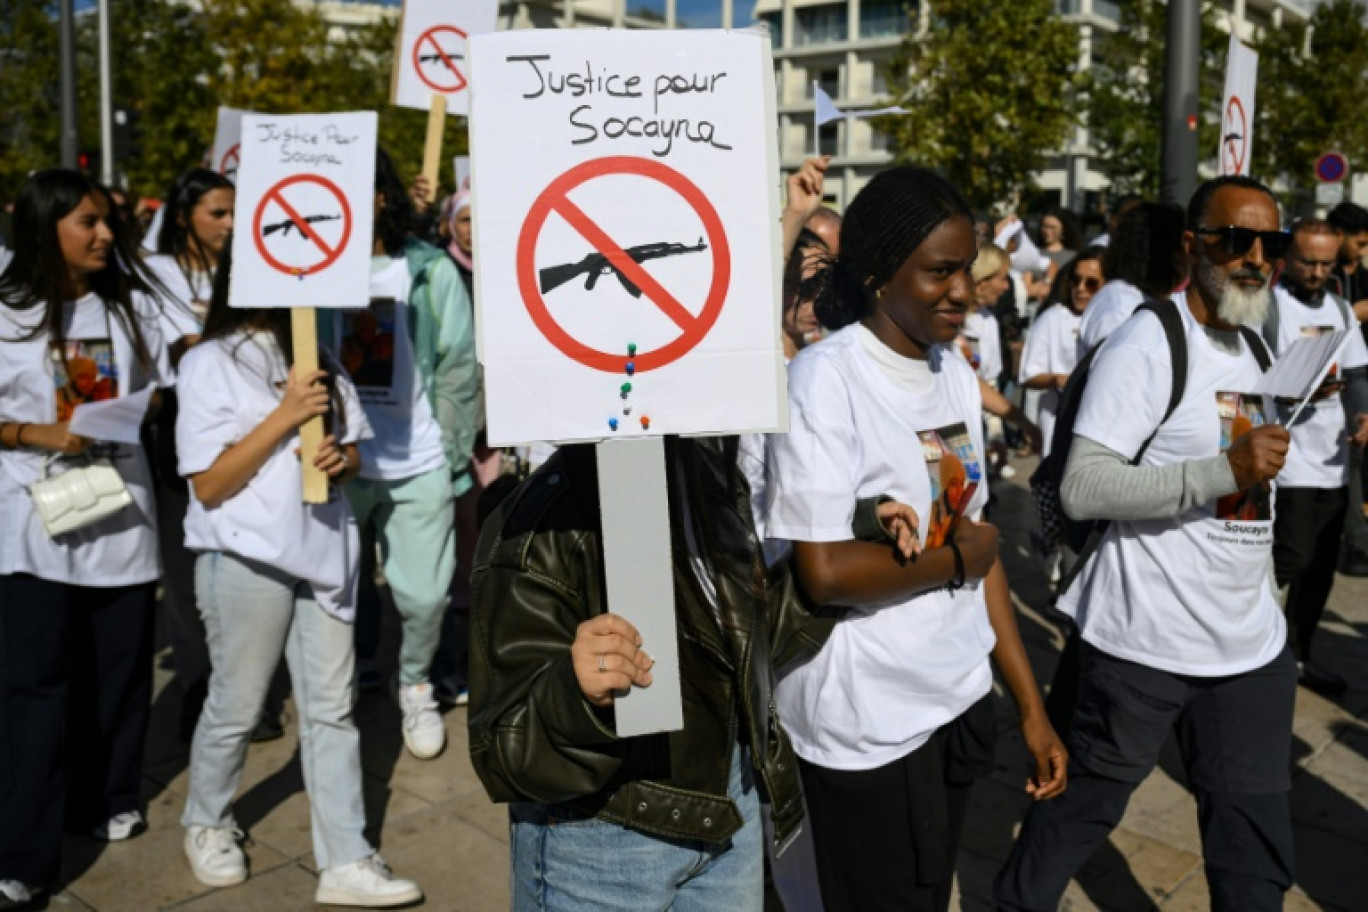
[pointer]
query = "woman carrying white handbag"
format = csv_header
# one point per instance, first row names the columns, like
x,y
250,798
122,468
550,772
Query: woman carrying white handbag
x,y
78,544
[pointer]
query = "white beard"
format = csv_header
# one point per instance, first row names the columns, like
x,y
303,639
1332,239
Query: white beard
x,y
1240,306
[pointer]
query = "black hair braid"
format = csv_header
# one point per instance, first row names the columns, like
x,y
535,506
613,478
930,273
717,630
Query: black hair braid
x,y
885,222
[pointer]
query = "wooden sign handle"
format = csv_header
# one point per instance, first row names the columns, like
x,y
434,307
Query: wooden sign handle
x,y
432,150
304,326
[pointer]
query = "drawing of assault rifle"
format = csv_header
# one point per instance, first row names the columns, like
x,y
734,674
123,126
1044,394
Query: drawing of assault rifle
x,y
436,58
285,226
596,264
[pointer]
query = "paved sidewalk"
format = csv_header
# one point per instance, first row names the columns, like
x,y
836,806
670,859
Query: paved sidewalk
x,y
434,823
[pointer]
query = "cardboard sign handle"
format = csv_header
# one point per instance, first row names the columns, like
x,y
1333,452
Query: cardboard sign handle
x,y
432,150
304,326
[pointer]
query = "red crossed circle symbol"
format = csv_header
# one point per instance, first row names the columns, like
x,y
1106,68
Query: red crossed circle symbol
x,y
429,43
229,164
330,252
555,198
1235,136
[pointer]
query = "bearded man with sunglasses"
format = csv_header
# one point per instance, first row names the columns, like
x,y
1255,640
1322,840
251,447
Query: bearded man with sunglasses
x,y
1180,627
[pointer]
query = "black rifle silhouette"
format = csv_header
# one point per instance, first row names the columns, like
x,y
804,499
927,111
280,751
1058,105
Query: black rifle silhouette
x,y
596,264
433,58
285,226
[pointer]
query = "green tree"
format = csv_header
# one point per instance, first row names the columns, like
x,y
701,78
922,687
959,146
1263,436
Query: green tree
x,y
29,125
990,94
1311,103
1125,95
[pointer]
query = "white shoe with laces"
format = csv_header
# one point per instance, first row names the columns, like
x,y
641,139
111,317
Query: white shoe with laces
x,y
424,731
368,882
121,826
215,856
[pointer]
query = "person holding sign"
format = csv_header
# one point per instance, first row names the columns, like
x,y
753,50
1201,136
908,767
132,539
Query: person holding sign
x,y
77,607
274,576
1180,628
193,236
1313,486
892,719
412,356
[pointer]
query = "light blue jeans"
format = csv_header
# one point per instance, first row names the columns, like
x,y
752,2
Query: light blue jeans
x,y
251,615
563,862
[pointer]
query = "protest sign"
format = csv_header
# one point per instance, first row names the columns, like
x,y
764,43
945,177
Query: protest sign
x,y
627,271
431,57
1237,109
226,153
304,210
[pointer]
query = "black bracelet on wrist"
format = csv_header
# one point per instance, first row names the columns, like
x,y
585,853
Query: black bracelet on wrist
x,y
956,581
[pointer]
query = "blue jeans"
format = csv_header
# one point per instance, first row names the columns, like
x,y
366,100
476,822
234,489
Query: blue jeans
x,y
252,615
565,862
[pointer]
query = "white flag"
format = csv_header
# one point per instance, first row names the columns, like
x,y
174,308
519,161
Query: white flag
x,y
827,110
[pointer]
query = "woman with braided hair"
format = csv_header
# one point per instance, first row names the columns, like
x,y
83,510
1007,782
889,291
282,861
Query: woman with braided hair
x,y
892,718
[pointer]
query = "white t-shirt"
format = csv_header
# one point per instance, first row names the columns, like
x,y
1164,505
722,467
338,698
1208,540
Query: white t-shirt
x,y
1319,454
1110,307
888,676
121,550
184,314
981,344
1189,594
228,386
1051,348
376,350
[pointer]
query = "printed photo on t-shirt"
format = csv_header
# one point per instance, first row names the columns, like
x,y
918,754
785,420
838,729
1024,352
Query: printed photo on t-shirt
x,y
955,473
366,347
971,349
88,374
1241,413
1315,332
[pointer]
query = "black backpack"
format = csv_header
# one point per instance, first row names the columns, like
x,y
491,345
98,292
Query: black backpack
x,y
1083,536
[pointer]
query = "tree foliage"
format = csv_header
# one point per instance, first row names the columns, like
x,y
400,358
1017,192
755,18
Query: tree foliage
x,y
175,63
1309,104
1125,95
990,93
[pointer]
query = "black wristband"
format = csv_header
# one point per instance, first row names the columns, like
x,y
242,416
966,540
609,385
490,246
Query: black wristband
x,y
956,581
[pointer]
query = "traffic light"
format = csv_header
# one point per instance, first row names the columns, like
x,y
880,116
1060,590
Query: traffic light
x,y
88,160
127,135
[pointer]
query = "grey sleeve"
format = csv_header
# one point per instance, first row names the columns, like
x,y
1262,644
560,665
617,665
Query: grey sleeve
x,y
1355,396
1102,484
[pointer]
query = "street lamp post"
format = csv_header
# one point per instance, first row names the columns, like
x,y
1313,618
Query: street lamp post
x,y
66,42
1182,62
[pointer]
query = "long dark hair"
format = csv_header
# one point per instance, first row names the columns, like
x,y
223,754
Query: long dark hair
x,y
885,222
223,321
395,219
1144,248
1070,235
1061,289
37,278
177,236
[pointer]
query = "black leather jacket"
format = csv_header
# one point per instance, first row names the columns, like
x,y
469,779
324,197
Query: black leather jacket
x,y
539,573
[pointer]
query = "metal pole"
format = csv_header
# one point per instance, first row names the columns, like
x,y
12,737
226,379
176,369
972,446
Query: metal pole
x,y
1182,63
106,102
66,40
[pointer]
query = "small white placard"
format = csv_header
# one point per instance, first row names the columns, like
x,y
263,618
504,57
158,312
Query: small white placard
x,y
1237,107
226,154
304,211
432,57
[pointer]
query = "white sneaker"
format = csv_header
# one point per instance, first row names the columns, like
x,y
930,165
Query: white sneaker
x,y
215,856
120,827
424,731
368,882
14,894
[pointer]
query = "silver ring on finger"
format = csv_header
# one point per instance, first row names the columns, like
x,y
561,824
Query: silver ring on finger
x,y
602,668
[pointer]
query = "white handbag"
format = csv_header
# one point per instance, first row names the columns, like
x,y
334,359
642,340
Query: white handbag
x,y
79,497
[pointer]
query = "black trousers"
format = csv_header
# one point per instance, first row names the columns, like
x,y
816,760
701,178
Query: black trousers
x,y
1354,556
1306,550
75,695
1235,735
886,838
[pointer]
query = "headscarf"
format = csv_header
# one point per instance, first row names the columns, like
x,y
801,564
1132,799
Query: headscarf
x,y
455,204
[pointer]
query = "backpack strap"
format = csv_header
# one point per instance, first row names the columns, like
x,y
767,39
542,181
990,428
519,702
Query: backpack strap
x,y
1175,332
1257,347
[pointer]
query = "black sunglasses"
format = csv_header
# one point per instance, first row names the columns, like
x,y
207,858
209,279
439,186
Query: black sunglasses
x,y
1091,283
1236,241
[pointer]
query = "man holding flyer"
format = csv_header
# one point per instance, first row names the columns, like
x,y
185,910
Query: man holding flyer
x,y
1179,624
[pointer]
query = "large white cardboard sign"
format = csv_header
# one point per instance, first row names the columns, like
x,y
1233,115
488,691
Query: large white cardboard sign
x,y
227,153
627,260
431,57
304,211
1237,109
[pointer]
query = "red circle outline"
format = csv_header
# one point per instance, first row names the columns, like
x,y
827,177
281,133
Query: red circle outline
x,y
612,362
1244,131
328,259
417,67
236,152
1329,161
